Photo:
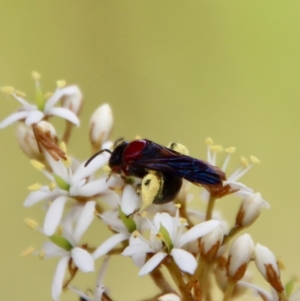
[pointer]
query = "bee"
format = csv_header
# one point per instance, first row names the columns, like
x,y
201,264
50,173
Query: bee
x,y
139,157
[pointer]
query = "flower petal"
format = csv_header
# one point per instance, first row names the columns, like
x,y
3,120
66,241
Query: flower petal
x,y
52,250
59,93
185,260
85,171
83,260
59,277
85,219
34,117
37,196
54,215
100,288
109,244
65,114
90,189
13,118
57,167
197,231
130,200
152,263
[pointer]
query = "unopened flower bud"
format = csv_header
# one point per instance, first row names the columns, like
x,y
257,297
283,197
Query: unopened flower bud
x,y
100,126
250,209
210,244
72,98
47,129
47,140
266,263
240,254
27,142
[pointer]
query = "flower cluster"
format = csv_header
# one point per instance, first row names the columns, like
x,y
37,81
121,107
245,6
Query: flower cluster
x,y
146,209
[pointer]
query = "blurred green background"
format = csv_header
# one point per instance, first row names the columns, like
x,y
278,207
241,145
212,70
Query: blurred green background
x,y
171,71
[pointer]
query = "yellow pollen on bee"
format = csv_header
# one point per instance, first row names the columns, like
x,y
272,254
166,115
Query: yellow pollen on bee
x,y
34,187
31,223
42,254
244,161
254,160
37,165
27,252
19,93
106,168
36,75
7,90
48,95
52,186
230,150
178,205
216,148
137,137
61,83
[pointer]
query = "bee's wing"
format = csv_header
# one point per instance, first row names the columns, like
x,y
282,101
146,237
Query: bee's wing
x,y
191,169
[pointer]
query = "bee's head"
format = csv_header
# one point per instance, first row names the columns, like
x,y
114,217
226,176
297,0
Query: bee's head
x,y
116,158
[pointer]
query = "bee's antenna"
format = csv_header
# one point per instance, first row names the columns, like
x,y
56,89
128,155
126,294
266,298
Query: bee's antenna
x,y
118,141
95,155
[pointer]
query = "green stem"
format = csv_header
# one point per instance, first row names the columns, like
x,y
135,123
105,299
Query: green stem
x,y
67,133
232,233
177,277
282,296
210,207
159,279
229,289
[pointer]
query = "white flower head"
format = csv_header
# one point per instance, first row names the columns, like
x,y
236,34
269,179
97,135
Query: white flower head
x,y
31,114
231,184
67,245
167,237
65,184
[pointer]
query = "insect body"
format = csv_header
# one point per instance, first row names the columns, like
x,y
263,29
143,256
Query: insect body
x,y
138,157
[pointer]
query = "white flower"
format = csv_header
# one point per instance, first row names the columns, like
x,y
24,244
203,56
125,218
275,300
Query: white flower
x,y
65,184
124,228
34,113
240,189
172,238
67,246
